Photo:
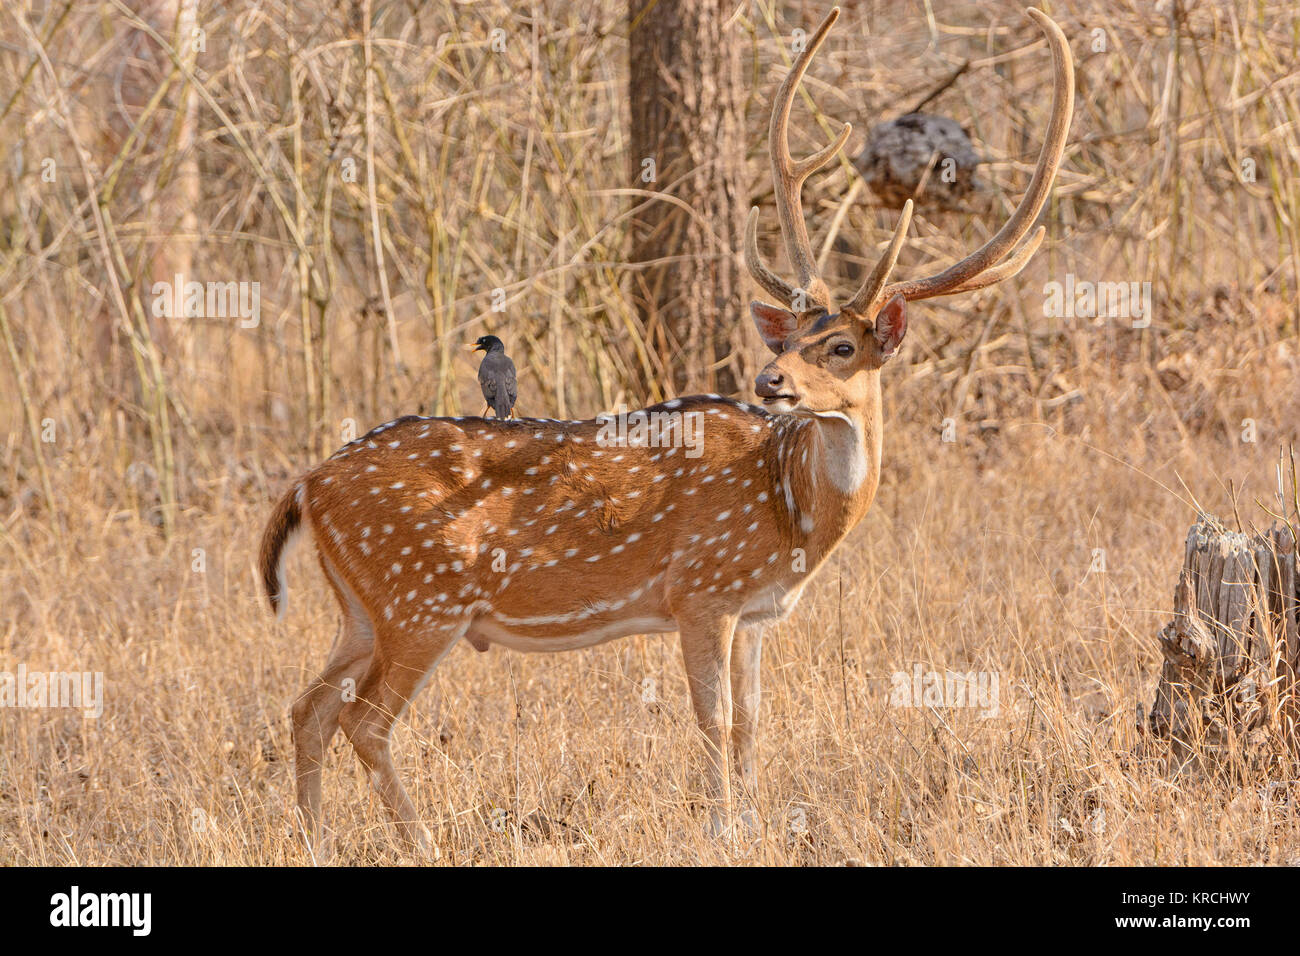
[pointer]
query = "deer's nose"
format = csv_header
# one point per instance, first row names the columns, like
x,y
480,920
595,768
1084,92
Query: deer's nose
x,y
768,384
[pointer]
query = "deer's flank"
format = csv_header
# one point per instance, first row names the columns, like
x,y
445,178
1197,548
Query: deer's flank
x,y
532,535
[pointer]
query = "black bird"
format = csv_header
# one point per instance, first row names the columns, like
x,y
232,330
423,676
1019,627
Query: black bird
x,y
496,376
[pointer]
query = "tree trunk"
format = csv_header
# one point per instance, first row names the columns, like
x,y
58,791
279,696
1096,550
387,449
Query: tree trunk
x,y
687,141
1231,652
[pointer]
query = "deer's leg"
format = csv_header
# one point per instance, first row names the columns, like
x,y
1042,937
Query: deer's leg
x,y
746,649
706,649
397,671
315,714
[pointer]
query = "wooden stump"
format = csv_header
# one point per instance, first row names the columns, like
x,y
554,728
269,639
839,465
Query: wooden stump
x,y
1228,683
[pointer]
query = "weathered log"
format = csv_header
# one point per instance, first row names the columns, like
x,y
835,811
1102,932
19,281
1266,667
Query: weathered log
x,y
1231,653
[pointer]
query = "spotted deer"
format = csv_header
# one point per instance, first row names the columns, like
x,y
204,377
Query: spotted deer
x,y
543,535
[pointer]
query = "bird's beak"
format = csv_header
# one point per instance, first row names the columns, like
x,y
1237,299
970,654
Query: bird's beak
x,y
473,347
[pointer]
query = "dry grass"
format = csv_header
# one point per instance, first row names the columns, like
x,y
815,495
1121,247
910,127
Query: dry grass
x,y
1069,437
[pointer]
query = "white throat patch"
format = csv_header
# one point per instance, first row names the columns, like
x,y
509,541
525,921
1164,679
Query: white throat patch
x,y
843,456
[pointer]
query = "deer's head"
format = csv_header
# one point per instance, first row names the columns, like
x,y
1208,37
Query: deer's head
x,y
828,360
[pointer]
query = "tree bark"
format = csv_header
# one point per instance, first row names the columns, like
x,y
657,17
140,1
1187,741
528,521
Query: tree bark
x,y
687,117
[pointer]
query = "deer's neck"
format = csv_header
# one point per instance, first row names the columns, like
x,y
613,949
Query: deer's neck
x,y
826,468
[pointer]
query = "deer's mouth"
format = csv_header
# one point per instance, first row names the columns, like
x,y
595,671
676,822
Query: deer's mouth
x,y
782,402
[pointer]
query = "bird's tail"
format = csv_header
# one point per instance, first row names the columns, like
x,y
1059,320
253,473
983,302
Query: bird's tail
x,y
501,405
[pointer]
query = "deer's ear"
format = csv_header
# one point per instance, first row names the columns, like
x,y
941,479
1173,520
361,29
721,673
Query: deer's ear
x,y
891,326
774,324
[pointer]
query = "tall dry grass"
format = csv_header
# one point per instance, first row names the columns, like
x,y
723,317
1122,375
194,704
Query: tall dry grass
x,y
139,450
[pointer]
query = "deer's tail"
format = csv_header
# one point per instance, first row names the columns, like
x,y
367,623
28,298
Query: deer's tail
x,y
285,525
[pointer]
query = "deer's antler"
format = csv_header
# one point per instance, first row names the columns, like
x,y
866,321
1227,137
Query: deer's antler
x,y
787,179
991,263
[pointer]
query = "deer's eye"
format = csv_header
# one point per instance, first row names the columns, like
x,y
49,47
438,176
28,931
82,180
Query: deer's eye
x,y
843,349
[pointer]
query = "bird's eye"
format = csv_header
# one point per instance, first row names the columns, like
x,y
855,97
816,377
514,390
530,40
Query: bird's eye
x,y
843,349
